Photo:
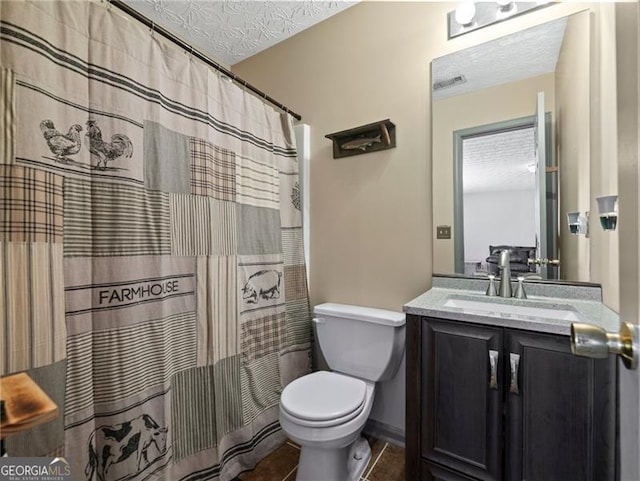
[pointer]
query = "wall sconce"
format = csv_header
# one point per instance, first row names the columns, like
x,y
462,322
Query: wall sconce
x,y
578,224
470,16
608,211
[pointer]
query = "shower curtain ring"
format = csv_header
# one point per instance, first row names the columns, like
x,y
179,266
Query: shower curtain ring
x,y
191,53
153,24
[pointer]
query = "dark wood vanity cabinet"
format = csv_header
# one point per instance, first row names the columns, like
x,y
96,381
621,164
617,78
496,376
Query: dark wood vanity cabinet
x,y
540,414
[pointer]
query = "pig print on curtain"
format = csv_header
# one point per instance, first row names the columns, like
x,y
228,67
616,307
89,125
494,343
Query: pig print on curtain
x,y
153,280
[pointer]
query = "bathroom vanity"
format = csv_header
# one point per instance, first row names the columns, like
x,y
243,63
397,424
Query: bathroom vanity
x,y
494,392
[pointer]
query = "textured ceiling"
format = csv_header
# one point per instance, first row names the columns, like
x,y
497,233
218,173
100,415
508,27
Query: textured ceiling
x,y
499,161
233,30
524,54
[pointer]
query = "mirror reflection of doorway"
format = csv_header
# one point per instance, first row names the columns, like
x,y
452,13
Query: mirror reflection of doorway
x,y
496,196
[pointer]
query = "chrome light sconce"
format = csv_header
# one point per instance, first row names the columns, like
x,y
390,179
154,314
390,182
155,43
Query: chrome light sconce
x,y
578,224
470,16
608,211
592,341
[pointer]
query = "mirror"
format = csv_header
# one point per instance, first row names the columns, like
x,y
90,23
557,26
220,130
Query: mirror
x,y
511,152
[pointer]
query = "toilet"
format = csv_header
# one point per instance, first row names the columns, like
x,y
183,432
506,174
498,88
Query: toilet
x,y
325,411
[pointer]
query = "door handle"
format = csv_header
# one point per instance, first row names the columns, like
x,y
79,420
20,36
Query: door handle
x,y
514,362
493,366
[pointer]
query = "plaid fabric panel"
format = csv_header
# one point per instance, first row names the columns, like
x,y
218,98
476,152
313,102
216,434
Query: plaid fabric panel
x,y
213,170
262,336
31,205
295,282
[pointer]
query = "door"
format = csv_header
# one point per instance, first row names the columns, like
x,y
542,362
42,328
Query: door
x,y
561,411
461,398
540,129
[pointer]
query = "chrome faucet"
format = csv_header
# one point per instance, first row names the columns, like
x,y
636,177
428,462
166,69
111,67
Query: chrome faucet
x,y
504,264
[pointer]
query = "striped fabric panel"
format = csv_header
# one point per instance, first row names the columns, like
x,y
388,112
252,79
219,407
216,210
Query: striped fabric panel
x,y
217,308
58,452
213,170
262,336
103,219
7,116
257,183
260,383
148,354
299,330
49,437
292,247
32,324
195,427
295,282
31,205
202,226
213,396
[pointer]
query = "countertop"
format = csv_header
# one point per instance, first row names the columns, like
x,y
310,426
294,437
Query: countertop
x,y
582,301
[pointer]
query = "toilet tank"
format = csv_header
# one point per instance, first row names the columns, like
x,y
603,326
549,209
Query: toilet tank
x,y
360,341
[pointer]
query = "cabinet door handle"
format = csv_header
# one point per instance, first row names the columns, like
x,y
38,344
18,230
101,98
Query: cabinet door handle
x,y
493,364
514,361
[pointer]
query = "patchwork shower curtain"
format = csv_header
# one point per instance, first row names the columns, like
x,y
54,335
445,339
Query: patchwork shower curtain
x,y
152,275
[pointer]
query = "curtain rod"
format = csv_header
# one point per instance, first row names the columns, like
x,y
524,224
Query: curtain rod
x,y
196,53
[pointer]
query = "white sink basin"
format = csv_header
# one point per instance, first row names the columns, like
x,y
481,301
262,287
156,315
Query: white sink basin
x,y
508,310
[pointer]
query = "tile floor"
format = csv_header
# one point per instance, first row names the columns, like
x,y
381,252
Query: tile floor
x,y
387,464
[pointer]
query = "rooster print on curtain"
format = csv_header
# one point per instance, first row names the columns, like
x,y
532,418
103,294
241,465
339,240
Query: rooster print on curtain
x,y
153,239
64,145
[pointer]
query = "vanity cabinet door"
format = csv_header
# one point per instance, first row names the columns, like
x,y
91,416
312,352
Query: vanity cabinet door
x,y
561,411
462,397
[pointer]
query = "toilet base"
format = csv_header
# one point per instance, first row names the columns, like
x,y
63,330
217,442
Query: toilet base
x,y
342,464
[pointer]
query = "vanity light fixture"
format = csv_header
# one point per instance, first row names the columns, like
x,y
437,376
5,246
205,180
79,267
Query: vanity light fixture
x,y
506,8
470,16
465,13
608,211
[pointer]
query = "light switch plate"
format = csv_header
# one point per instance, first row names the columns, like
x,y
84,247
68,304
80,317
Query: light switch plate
x,y
443,232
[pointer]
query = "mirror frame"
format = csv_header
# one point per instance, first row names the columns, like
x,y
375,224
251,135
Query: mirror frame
x,y
458,189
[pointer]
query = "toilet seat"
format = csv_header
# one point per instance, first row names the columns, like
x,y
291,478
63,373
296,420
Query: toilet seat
x,y
323,399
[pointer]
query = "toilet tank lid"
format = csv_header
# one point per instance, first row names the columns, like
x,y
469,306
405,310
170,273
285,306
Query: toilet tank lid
x,y
367,314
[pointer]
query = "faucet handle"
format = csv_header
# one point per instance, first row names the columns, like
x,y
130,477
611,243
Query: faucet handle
x,y
491,288
520,294
551,262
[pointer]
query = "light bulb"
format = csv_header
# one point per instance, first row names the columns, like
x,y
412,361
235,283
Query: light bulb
x,y
465,13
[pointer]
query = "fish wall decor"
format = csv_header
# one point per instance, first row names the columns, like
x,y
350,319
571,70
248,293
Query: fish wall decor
x,y
372,137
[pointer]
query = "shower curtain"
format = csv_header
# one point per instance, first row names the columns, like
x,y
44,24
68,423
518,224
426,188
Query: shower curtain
x,y
153,280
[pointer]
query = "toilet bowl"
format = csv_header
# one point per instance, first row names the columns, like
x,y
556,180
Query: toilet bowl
x,y
325,412
325,416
